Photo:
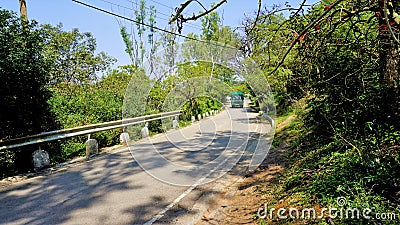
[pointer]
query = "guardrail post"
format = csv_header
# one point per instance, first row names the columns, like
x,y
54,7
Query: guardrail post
x,y
199,117
204,115
207,115
92,147
193,119
40,159
145,130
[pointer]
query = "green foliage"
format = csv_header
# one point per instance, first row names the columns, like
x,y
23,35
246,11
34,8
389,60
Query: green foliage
x,y
89,104
266,40
128,43
73,148
326,170
54,74
200,105
72,55
23,75
194,106
206,69
348,144
136,46
210,26
79,96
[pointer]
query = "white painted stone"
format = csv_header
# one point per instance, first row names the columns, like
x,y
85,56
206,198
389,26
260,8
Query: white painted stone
x,y
199,117
124,138
193,119
41,159
92,147
145,131
175,123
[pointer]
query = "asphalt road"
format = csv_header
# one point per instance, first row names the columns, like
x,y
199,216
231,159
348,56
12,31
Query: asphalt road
x,y
156,180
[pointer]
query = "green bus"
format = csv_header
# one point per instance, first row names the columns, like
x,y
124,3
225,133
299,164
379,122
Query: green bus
x,y
237,99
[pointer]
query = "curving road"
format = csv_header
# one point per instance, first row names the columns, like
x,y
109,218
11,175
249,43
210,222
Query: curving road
x,y
156,180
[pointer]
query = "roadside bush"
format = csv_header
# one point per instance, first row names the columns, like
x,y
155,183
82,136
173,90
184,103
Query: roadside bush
x,y
23,77
90,104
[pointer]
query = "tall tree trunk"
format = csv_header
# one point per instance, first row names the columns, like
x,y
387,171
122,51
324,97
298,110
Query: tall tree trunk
x,y
22,9
389,55
389,47
389,60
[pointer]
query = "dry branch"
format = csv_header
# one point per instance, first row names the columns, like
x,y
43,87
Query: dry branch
x,y
180,19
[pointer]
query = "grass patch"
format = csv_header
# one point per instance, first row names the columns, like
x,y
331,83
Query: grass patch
x,y
322,169
280,118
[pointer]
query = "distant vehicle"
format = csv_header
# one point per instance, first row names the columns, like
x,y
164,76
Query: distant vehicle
x,y
237,99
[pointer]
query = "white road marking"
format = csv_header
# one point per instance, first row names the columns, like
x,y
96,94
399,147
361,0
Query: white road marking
x,y
184,194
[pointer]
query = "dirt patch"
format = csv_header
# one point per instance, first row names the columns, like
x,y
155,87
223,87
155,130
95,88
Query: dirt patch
x,y
239,203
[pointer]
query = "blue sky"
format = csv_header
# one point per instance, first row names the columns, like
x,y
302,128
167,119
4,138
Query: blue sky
x,y
105,28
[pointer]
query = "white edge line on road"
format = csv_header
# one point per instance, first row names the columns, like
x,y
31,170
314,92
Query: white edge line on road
x,y
184,194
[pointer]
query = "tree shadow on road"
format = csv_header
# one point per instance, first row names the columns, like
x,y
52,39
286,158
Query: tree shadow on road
x,y
58,197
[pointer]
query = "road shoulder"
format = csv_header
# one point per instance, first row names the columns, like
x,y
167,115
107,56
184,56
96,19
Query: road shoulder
x,y
238,202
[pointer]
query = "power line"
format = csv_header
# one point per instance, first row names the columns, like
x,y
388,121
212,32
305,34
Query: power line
x,y
137,4
161,13
167,6
165,19
151,26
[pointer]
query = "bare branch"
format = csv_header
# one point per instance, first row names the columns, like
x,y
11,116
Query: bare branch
x,y
387,21
180,10
310,25
180,19
258,14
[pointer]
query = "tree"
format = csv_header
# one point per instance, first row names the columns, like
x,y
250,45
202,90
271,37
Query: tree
x,y
89,104
169,44
72,55
341,58
389,22
24,76
265,42
348,64
135,43
210,26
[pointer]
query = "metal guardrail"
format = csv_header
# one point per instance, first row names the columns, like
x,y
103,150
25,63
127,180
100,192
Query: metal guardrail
x,y
81,130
